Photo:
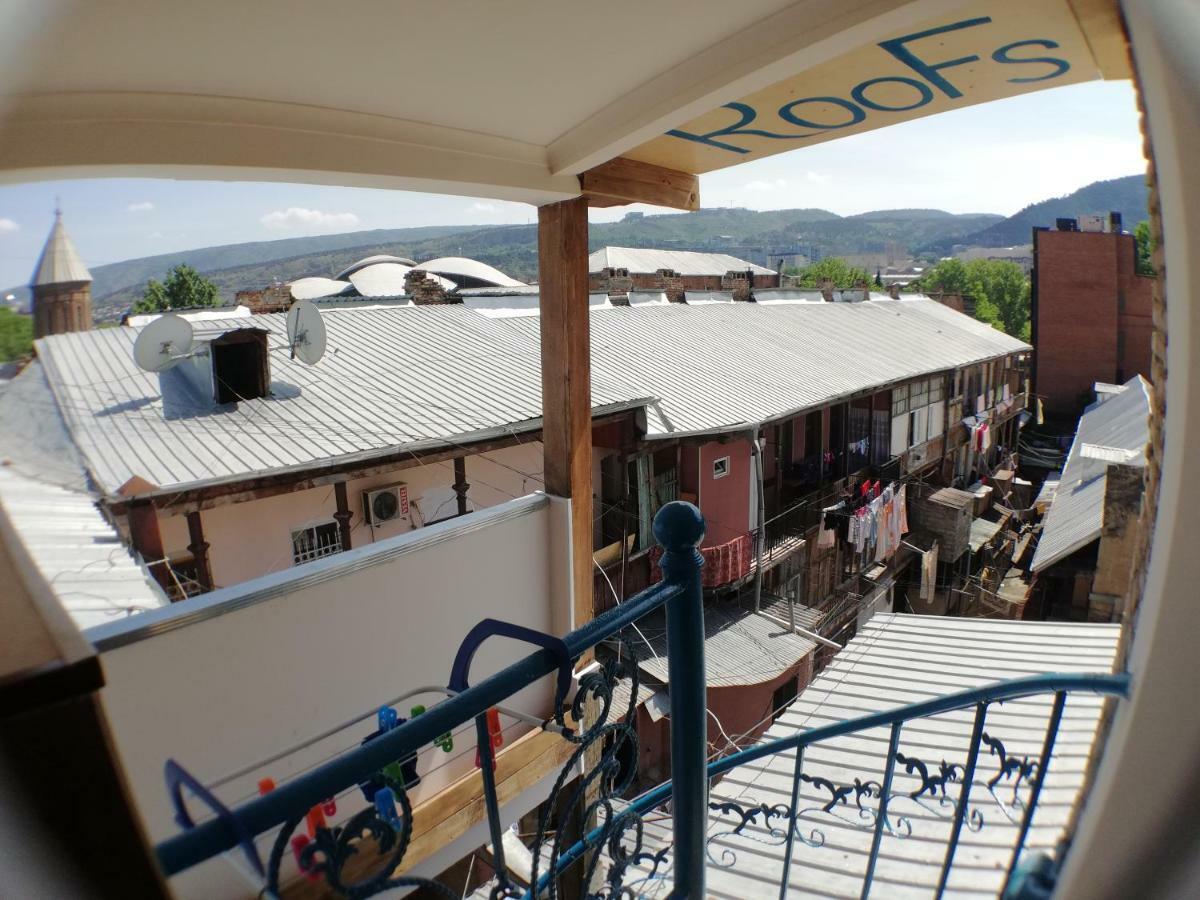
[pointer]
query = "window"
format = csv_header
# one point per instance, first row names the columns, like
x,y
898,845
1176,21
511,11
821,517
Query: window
x,y
316,542
936,390
900,400
720,467
783,697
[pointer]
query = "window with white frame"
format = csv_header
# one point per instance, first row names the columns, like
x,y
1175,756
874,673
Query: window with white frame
x,y
316,542
721,467
920,415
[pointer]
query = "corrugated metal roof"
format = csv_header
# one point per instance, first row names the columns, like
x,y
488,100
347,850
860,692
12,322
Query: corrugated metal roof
x,y
698,297
729,366
982,533
685,262
896,660
59,262
77,551
740,647
391,378
1076,513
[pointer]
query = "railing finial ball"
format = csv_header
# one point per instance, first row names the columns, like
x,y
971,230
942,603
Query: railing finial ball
x,y
679,526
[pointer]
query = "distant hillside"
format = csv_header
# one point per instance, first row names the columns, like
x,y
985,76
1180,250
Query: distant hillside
x,y
756,236
1124,195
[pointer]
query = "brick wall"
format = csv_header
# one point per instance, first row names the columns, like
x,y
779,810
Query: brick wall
x,y
59,308
275,298
424,290
1092,317
1119,538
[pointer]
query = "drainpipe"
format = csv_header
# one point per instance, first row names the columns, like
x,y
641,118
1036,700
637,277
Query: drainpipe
x,y
762,517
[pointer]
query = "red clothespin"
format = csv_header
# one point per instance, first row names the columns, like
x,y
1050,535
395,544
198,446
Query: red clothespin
x,y
299,842
495,735
329,807
315,820
266,785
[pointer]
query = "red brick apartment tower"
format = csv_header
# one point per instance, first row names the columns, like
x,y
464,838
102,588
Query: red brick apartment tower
x,y
1091,316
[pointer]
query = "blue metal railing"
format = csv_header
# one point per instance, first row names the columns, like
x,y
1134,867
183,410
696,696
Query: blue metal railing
x,y
679,527
598,793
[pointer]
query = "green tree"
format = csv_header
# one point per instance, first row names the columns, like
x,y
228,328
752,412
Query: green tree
x,y
999,288
841,273
1145,249
184,288
16,335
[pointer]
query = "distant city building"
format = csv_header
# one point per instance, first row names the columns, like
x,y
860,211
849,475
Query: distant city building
x,y
1022,255
619,270
1091,315
62,286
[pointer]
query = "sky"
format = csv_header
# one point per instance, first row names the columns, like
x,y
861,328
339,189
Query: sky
x,y
995,158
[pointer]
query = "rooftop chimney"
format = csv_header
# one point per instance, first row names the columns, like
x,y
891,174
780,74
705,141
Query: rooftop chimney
x,y
827,289
894,290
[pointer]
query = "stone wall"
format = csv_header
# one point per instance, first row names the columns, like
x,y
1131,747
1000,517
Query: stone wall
x,y
271,299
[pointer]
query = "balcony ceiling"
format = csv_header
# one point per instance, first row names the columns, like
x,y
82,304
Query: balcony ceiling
x,y
499,99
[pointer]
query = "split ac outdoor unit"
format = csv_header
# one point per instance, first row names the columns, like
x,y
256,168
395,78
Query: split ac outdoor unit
x,y
385,504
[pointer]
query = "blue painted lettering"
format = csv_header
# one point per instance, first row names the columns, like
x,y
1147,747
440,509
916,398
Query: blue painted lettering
x,y
1060,65
788,115
924,94
746,115
929,71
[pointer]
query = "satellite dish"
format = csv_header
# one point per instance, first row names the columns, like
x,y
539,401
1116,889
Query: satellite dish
x,y
163,343
306,332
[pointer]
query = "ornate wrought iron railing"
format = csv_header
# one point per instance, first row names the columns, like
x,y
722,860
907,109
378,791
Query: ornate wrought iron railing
x,y
360,855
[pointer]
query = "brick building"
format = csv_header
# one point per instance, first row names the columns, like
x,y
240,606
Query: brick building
x,y
1091,316
62,286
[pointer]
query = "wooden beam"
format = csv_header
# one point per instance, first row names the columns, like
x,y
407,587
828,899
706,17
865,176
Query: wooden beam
x,y
566,380
198,547
620,181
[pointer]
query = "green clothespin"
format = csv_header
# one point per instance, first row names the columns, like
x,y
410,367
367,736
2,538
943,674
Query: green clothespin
x,y
444,742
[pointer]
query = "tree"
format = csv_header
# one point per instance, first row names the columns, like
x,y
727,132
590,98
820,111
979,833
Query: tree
x,y
841,273
1145,249
999,288
879,278
184,288
16,335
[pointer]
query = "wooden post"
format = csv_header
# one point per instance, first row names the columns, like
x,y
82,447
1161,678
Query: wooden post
x,y
199,550
343,514
147,541
460,484
566,380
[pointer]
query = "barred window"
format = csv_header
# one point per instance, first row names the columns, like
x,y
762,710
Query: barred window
x,y
316,542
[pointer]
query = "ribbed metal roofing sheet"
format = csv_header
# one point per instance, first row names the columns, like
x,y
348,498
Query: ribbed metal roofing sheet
x,y
78,553
729,366
893,661
685,262
391,378
1076,514
740,647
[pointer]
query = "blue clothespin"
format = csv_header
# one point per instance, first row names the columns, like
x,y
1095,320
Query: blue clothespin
x,y
385,805
388,718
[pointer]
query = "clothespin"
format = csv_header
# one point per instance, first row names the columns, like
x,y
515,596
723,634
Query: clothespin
x,y
299,842
329,807
495,734
266,785
315,819
387,718
443,741
385,805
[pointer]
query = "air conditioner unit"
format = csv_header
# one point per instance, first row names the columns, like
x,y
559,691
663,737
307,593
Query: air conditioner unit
x,y
385,504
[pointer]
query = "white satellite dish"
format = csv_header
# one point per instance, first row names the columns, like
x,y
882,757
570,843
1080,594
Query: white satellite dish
x,y
306,332
163,343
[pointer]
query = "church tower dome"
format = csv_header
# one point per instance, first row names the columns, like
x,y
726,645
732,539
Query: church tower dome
x,y
62,286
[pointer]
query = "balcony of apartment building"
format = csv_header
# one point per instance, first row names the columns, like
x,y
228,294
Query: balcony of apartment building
x,y
364,721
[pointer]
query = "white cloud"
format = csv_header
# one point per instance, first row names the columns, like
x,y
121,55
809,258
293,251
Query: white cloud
x,y
300,218
766,186
143,206
8,225
482,207
817,177
155,234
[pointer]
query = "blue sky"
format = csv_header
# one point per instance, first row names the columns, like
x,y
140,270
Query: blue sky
x,y
996,158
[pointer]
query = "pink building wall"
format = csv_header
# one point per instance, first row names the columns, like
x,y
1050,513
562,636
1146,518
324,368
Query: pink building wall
x,y
725,501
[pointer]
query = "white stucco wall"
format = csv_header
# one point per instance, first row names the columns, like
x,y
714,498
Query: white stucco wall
x,y
245,679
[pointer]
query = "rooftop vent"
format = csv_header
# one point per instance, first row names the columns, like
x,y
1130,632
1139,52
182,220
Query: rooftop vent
x,y
240,366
